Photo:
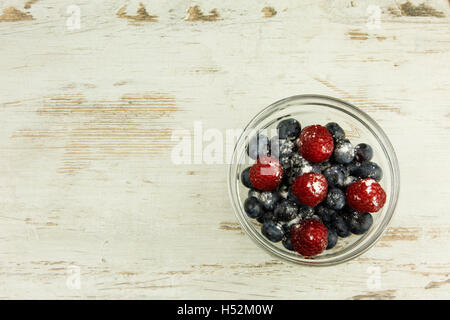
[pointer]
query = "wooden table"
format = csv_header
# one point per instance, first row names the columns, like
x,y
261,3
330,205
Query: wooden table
x,y
91,204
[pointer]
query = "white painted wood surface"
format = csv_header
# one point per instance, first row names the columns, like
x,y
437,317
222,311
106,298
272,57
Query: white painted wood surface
x,y
86,117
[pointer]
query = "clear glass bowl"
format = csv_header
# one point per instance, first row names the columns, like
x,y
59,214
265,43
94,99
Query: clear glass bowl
x,y
359,127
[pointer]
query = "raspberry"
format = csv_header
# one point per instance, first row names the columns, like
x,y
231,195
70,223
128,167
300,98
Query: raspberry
x,y
365,195
309,237
310,188
315,143
266,173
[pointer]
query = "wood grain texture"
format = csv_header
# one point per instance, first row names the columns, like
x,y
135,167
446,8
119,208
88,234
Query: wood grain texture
x,y
86,120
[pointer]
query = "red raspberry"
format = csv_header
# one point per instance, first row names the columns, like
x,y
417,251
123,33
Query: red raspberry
x,y
266,173
310,188
365,195
315,143
309,237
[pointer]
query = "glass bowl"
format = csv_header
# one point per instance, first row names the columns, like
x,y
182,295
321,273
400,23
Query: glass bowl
x,y
359,127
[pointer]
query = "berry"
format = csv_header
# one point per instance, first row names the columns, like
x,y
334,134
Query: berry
x,y
258,146
343,151
335,199
285,210
316,168
282,148
335,175
285,162
332,238
368,170
272,231
349,180
363,152
325,214
325,165
305,167
310,188
293,198
341,227
309,237
269,199
283,191
315,143
287,148
365,195
287,243
305,211
360,222
245,178
254,193
267,216
335,130
266,173
253,207
297,160
289,129
352,167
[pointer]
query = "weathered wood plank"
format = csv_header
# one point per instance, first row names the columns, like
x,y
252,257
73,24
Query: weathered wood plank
x,y
86,180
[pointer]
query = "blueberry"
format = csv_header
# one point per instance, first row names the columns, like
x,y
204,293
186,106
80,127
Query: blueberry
x,y
285,162
349,180
292,175
245,178
297,160
363,152
293,198
343,152
269,199
325,165
332,238
335,130
286,228
289,129
258,146
327,215
287,243
340,224
283,191
272,231
369,170
359,223
285,210
267,216
253,207
287,148
254,193
335,199
305,211
335,175
305,167
352,167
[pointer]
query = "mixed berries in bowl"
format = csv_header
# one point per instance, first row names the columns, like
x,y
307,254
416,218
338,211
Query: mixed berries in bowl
x,y
314,180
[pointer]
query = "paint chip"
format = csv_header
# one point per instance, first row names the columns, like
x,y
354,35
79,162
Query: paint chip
x,y
12,14
268,12
196,14
421,10
141,14
28,4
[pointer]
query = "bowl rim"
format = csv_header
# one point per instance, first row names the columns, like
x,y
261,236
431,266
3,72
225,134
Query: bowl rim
x,y
385,144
